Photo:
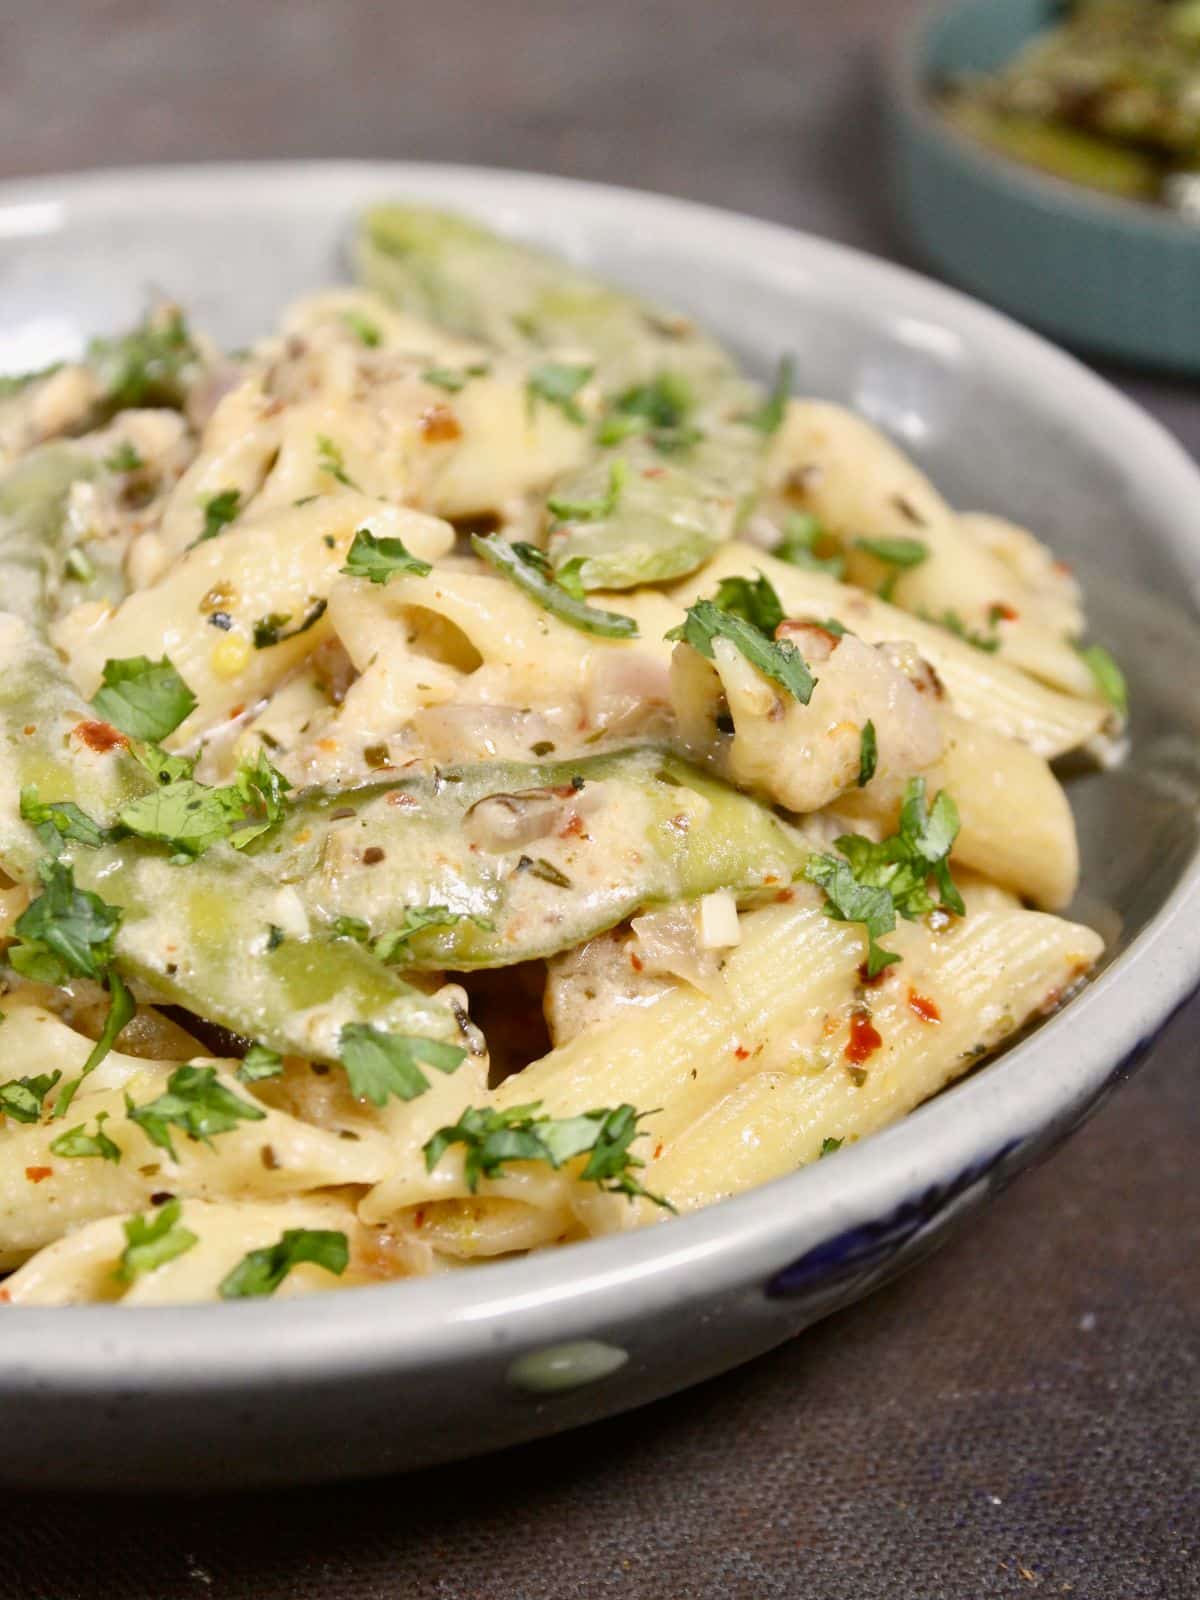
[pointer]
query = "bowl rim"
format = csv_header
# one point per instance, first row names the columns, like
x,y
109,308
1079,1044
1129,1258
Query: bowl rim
x,y
906,70
324,1339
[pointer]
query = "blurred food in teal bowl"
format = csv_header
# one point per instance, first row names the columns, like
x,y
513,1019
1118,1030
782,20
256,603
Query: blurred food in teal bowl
x,y
1048,157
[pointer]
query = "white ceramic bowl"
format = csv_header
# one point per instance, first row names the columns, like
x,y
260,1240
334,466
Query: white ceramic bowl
x,y
417,1372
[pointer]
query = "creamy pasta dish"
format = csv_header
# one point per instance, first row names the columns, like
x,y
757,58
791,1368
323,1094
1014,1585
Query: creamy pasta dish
x,y
479,772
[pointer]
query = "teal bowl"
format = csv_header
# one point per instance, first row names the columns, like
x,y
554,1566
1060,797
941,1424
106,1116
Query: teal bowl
x,y
1117,277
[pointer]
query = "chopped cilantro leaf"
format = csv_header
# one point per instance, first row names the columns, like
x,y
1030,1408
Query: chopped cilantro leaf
x,y
273,629
752,599
124,458
899,553
778,660
150,1242
390,946
380,1064
191,816
121,1008
527,567
59,822
363,329
802,533
331,460
259,1063
79,565
848,900
558,384
66,932
380,559
769,416
868,754
657,410
953,623
219,511
150,366
829,1146
198,1102
451,379
1109,678
260,1272
491,1138
22,1099
144,699
78,1142
878,880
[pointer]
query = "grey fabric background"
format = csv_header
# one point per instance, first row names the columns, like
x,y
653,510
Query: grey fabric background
x,y
1018,1416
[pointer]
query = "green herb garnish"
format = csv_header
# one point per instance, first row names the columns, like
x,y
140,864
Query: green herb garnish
x,y
558,384
798,547
259,1063
778,660
527,567
380,559
770,415
953,623
657,410
363,329
273,629
878,880
380,1064
331,460
60,822
22,1099
124,458
150,1242
77,1142
493,1138
219,511
144,699
752,599
198,1102
1109,678
868,754
900,554
260,1272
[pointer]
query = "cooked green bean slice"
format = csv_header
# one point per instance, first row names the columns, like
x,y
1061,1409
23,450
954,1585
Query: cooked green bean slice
x,y
688,477
491,864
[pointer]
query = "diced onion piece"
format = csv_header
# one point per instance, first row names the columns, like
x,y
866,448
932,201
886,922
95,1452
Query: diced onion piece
x,y
719,928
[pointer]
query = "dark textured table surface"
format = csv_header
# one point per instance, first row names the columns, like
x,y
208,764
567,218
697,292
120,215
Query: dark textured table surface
x,y
1020,1415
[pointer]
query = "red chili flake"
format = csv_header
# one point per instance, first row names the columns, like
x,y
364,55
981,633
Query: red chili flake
x,y
572,828
1063,568
864,1038
741,1053
1001,612
100,736
869,982
236,712
785,896
398,798
653,472
923,1007
658,1150
5,1297
36,1174
635,961
419,1217
30,727
439,425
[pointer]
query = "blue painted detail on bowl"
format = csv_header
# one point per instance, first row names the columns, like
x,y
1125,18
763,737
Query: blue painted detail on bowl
x,y
861,1251
1112,275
